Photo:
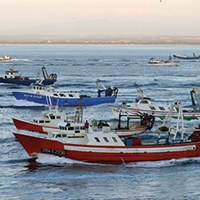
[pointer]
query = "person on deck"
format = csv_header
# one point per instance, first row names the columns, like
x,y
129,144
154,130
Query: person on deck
x,y
86,125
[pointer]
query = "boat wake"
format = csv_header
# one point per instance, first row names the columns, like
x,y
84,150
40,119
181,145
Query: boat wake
x,y
20,59
55,160
51,159
165,163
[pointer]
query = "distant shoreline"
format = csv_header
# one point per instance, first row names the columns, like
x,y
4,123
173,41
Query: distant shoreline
x,y
100,43
102,40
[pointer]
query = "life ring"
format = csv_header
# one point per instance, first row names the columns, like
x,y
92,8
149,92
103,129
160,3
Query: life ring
x,y
172,130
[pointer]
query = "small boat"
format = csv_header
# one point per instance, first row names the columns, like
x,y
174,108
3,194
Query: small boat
x,y
159,111
133,128
194,57
77,142
52,97
156,62
5,58
12,76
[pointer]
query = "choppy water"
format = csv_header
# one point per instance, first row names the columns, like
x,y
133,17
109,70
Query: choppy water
x,y
78,66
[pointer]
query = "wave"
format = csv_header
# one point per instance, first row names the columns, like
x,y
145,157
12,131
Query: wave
x,y
33,107
78,85
6,95
165,163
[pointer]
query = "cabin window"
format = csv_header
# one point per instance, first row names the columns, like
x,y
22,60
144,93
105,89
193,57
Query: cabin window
x,y
36,121
41,121
64,135
161,108
58,117
62,128
58,135
71,95
70,128
114,139
82,127
52,116
55,94
62,95
144,101
97,139
106,139
152,108
47,121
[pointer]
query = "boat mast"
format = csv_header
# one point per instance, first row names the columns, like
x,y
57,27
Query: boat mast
x,y
179,128
79,114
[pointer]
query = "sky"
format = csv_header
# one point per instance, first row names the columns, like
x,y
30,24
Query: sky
x,y
100,17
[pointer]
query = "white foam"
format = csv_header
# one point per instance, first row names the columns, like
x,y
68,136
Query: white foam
x,y
51,159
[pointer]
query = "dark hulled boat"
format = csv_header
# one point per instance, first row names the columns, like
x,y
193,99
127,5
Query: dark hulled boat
x,y
187,57
12,76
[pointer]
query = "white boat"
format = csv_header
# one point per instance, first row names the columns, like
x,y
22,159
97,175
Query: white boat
x,y
159,111
156,62
5,57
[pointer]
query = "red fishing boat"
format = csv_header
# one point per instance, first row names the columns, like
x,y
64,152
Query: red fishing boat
x,y
75,141
51,120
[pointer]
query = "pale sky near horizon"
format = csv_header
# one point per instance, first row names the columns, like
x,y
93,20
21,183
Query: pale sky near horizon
x,y
100,17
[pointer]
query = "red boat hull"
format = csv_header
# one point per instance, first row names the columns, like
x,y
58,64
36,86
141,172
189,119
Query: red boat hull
x,y
25,125
108,154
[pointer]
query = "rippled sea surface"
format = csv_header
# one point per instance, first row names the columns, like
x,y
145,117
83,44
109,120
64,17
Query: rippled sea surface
x,y
78,67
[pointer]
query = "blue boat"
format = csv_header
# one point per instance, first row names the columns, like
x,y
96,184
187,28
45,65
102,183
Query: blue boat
x,y
50,96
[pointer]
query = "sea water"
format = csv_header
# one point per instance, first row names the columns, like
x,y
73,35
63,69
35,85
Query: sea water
x,y
78,67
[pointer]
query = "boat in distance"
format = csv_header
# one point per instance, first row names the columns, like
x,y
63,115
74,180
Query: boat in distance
x,y
156,62
52,97
194,57
5,58
12,76
77,142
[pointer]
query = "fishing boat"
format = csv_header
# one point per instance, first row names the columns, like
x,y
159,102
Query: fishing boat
x,y
185,57
52,97
51,119
12,76
5,58
77,142
156,62
159,111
